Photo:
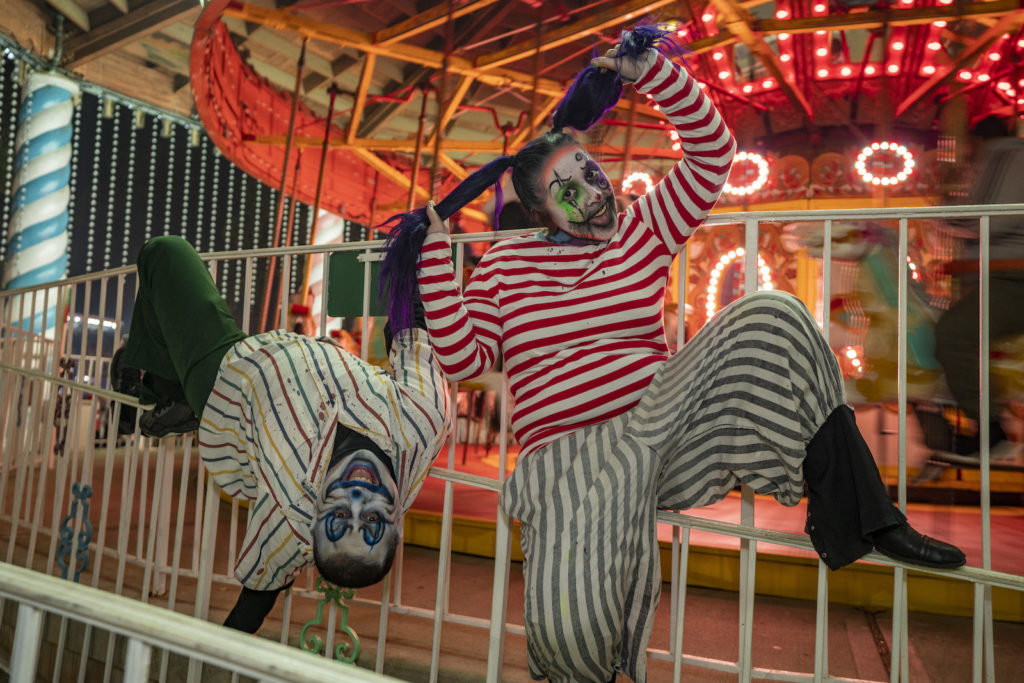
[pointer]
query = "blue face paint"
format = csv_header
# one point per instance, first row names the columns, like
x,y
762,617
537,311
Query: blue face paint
x,y
357,498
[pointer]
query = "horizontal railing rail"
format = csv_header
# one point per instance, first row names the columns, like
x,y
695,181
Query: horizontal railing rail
x,y
159,535
147,628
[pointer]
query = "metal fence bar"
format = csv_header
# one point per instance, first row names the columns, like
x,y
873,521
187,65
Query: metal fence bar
x,y
31,367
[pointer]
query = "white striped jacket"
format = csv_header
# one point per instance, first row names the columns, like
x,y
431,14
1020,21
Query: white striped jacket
x,y
268,430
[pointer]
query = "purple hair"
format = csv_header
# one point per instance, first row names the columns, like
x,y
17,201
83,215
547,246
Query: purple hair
x,y
592,93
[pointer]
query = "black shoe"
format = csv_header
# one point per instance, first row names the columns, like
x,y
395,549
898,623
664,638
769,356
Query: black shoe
x,y
905,544
168,418
128,381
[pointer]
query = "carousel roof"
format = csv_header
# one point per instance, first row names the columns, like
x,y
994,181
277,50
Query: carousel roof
x,y
791,77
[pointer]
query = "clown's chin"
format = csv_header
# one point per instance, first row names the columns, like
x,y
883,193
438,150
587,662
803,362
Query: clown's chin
x,y
601,226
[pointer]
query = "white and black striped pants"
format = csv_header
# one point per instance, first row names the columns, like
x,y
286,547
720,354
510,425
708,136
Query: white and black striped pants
x,y
738,403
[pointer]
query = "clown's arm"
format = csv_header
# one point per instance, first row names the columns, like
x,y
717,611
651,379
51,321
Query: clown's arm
x,y
464,327
419,397
678,204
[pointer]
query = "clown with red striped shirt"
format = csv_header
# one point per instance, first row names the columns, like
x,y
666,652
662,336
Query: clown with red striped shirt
x,y
613,428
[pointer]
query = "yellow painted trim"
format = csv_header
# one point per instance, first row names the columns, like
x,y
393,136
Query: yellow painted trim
x,y
862,584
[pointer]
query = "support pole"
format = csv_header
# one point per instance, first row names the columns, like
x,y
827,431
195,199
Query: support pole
x,y
268,286
442,92
333,91
414,179
627,158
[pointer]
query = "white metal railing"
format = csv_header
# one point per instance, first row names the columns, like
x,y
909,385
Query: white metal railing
x,y
169,542
147,629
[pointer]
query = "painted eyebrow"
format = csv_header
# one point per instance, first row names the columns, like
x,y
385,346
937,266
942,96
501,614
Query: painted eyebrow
x,y
558,179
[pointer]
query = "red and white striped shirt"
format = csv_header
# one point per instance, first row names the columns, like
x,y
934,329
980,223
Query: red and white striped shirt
x,y
580,327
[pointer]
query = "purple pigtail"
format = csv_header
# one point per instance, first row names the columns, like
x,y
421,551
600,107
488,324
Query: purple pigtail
x,y
633,43
597,90
406,234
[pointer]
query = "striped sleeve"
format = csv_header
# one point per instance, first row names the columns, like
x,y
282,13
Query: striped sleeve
x,y
270,553
464,329
683,198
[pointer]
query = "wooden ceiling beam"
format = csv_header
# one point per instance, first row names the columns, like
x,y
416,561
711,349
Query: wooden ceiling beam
x,y
1008,23
399,178
568,33
451,106
448,146
78,16
346,37
110,36
738,21
426,20
891,17
542,114
364,87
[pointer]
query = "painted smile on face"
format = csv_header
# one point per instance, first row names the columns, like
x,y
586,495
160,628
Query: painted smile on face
x,y
356,507
579,199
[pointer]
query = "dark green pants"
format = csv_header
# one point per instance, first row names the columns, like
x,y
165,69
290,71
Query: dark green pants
x,y
181,327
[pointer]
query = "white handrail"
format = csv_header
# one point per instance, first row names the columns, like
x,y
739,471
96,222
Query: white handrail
x,y
153,626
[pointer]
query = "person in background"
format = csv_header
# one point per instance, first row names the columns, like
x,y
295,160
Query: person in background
x,y
997,172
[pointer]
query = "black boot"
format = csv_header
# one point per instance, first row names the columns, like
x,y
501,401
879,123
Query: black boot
x,y
849,511
128,381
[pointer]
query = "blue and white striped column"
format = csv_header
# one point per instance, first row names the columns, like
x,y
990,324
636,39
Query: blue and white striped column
x,y
38,234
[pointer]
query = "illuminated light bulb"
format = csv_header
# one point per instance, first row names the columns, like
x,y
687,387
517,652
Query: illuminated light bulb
x,y
945,2
850,353
740,251
898,45
1020,43
748,88
884,145
1003,85
846,71
893,68
676,147
964,75
1011,92
994,56
870,70
767,83
724,74
708,17
717,56
731,255
681,32
901,150
820,8
822,73
983,78
934,45
637,177
928,69
783,36
1020,101
939,24
821,51
657,108
820,33
901,176
781,14
875,146
784,57
855,362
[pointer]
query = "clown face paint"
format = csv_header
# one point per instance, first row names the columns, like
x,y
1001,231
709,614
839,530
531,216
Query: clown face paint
x,y
578,198
356,511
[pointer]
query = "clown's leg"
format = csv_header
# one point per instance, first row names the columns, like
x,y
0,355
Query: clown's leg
x,y
588,537
181,327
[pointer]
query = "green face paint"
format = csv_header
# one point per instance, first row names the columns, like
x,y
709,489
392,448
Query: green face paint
x,y
567,202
